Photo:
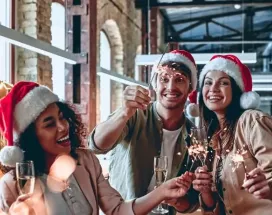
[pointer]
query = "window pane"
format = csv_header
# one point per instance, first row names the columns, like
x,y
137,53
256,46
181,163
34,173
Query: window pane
x,y
58,40
5,10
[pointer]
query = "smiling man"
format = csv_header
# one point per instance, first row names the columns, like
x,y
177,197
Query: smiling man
x,y
140,130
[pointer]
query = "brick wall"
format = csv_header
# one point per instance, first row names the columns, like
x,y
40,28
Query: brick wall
x,y
128,20
121,22
33,19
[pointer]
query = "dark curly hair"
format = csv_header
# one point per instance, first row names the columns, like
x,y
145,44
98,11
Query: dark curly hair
x,y
233,112
29,143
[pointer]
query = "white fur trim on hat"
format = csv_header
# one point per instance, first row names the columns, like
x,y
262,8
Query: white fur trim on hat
x,y
178,58
250,100
30,107
9,155
192,110
225,65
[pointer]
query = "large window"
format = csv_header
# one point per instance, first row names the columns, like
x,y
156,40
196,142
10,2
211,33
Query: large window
x,y
105,82
5,58
104,91
58,40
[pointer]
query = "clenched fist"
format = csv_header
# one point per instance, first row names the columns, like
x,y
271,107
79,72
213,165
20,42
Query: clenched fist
x,y
135,97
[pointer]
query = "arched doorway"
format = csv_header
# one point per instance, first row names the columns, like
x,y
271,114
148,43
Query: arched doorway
x,y
58,40
104,83
111,29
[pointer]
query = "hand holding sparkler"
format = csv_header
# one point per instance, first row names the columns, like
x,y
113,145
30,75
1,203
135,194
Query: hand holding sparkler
x,y
257,184
135,97
203,181
184,182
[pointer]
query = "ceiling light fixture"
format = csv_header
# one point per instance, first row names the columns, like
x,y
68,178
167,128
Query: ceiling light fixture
x,y
32,44
119,78
144,60
237,6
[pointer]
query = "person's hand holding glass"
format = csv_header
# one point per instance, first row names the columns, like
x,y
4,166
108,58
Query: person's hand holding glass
x,y
160,171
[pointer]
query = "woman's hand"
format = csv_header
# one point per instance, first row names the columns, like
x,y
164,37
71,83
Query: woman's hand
x,y
177,187
22,206
203,184
203,180
257,184
30,204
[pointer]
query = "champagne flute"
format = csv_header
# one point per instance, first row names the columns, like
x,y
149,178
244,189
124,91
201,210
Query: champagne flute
x,y
200,143
160,171
25,175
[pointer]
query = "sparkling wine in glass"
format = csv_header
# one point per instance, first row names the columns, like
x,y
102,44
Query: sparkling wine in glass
x,y
160,171
25,175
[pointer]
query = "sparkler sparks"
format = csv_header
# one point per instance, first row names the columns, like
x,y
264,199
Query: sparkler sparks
x,y
198,150
237,159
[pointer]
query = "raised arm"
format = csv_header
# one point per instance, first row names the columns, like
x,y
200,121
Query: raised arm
x,y
106,134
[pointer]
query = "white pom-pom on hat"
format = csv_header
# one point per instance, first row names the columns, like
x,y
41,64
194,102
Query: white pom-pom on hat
x,y
9,155
250,100
192,109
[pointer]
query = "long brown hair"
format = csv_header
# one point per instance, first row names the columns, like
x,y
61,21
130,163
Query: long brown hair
x,y
233,112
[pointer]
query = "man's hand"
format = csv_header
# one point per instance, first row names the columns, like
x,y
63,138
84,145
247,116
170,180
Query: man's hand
x,y
135,97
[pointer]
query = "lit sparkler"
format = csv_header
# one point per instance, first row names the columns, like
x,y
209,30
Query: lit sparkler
x,y
238,159
198,151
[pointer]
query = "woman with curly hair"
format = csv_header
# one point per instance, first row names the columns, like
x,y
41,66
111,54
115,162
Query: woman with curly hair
x,y
240,137
43,128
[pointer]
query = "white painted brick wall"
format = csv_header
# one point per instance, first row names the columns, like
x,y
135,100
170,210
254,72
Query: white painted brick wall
x,y
34,20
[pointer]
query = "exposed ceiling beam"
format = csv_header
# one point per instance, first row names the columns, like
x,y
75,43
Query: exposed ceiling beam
x,y
190,27
219,15
230,41
225,26
228,37
248,24
216,48
143,3
194,49
174,34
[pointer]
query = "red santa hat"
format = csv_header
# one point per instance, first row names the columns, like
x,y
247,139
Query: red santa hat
x,y
232,66
177,56
18,109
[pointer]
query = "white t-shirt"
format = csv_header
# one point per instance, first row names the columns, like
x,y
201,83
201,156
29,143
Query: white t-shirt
x,y
169,140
